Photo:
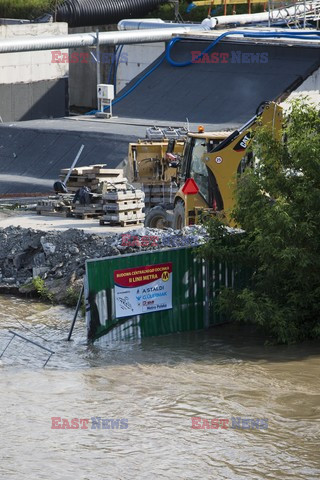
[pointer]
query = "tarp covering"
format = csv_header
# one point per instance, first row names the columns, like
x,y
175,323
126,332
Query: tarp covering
x,y
220,94
31,159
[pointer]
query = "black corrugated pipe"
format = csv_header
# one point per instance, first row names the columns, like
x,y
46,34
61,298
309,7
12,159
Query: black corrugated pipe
x,y
82,13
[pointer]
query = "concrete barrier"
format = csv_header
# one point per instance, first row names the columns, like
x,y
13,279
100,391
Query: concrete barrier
x,y
31,85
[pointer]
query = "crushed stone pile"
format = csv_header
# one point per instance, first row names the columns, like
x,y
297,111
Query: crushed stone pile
x,y
59,257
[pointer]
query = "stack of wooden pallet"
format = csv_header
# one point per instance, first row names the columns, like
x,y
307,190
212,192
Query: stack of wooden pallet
x,y
100,180
108,198
159,193
97,177
123,207
57,205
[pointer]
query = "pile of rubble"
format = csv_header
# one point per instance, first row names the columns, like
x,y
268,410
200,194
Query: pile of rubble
x,y
59,257
152,238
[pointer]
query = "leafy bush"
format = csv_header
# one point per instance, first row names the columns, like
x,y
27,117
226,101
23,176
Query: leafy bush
x,y
71,297
278,207
40,287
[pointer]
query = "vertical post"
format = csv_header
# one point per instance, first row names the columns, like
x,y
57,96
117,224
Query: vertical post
x,y
207,295
225,7
76,313
176,10
98,63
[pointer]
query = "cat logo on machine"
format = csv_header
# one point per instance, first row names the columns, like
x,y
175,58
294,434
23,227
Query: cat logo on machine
x,y
243,143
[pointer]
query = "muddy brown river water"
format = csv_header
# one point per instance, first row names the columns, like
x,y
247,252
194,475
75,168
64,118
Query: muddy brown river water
x,y
154,388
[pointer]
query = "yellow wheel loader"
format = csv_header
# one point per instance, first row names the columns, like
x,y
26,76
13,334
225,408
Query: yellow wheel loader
x,y
196,175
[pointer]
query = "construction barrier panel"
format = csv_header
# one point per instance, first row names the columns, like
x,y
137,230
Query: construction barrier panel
x,y
154,293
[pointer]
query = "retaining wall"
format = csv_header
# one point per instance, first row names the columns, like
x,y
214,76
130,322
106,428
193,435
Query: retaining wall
x,y
31,86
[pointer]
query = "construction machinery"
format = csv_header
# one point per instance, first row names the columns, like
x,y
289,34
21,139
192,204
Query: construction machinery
x,y
195,174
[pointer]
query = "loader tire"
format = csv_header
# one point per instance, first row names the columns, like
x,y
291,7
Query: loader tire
x,y
178,216
156,218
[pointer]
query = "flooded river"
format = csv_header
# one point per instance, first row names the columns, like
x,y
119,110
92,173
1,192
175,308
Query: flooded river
x,y
154,389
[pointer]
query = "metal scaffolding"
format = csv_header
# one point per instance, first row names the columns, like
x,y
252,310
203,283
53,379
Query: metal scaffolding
x,y
301,13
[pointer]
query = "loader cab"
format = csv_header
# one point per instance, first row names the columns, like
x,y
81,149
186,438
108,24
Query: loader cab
x,y
194,166
213,161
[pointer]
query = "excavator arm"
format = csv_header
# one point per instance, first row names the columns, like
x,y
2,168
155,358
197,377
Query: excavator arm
x,y
224,161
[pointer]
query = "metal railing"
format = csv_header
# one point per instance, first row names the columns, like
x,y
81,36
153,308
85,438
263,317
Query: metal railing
x,y
15,334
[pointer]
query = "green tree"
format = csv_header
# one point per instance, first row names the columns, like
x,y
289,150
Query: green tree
x,y
278,209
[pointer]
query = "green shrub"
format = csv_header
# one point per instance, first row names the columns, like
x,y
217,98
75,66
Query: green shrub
x,y
41,289
72,295
278,207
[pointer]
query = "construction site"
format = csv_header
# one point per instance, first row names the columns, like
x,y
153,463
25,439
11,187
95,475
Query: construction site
x,y
143,125
159,239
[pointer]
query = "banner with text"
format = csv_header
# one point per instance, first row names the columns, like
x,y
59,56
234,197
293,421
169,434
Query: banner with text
x,y
143,289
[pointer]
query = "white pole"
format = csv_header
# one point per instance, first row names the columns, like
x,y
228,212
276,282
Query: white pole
x,y
73,165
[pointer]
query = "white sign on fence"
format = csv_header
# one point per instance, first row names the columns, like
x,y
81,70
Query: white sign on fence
x,y
143,289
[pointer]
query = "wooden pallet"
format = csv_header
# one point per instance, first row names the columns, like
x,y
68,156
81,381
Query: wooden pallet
x,y
122,223
93,210
123,218
85,215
